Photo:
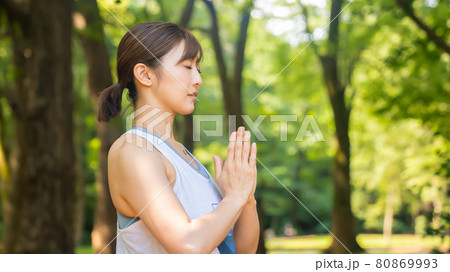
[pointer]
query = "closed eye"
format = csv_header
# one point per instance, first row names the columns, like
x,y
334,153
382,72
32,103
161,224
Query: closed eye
x,y
190,68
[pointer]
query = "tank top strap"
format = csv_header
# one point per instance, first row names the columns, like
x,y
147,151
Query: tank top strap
x,y
156,142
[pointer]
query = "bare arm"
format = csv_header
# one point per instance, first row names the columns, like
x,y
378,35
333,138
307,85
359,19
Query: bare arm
x,y
246,229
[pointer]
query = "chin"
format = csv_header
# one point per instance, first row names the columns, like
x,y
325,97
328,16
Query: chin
x,y
187,110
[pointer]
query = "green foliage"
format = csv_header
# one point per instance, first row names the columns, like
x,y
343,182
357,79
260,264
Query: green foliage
x,y
397,84
400,125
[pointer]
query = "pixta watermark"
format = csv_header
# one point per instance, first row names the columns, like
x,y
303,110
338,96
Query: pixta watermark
x,y
307,128
151,119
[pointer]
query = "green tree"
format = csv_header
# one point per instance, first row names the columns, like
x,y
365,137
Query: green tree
x,y
41,189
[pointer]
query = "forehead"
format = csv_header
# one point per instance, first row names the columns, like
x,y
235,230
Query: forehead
x,y
176,52
176,55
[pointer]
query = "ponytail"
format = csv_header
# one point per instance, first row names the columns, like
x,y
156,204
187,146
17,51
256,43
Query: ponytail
x,y
110,103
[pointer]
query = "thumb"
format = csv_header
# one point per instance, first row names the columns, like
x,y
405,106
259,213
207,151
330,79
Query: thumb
x,y
218,164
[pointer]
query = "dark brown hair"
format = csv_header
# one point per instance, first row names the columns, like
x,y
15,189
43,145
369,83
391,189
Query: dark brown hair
x,y
145,43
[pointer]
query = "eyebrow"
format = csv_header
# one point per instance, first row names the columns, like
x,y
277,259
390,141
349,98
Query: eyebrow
x,y
191,59
181,60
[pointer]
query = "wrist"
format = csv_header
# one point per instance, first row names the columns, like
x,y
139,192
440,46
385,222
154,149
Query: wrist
x,y
251,202
236,198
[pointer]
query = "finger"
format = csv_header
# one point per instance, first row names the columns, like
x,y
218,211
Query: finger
x,y
252,158
246,147
231,144
238,145
218,165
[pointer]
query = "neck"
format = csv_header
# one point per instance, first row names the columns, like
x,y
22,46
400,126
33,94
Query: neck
x,y
155,120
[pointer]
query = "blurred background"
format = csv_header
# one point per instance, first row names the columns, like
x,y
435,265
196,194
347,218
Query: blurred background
x,y
374,75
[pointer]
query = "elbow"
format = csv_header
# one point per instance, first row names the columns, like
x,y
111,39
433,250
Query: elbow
x,y
187,242
188,247
197,247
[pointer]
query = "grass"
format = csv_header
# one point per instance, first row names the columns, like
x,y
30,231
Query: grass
x,y
84,249
372,243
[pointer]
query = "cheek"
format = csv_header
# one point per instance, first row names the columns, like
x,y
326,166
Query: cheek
x,y
182,74
177,80
174,88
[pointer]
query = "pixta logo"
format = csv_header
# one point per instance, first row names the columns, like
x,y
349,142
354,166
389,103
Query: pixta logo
x,y
308,127
149,118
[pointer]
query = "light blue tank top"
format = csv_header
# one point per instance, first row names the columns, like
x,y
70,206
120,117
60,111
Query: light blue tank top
x,y
194,188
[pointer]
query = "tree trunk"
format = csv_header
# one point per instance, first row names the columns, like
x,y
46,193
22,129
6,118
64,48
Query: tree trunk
x,y
99,72
388,215
188,132
343,221
298,168
231,86
5,182
42,198
105,222
261,243
261,216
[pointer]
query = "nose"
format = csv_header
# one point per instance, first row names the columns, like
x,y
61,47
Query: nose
x,y
197,79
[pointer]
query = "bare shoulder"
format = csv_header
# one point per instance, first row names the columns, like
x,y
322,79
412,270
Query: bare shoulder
x,y
132,170
128,154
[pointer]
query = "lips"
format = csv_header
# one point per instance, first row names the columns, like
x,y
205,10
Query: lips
x,y
193,94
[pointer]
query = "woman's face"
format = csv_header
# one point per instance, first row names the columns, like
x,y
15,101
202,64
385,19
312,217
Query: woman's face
x,y
178,82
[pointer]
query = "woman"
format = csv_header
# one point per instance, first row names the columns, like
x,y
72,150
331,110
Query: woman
x,y
165,199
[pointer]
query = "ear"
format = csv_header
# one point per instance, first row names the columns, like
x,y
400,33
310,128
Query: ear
x,y
143,74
